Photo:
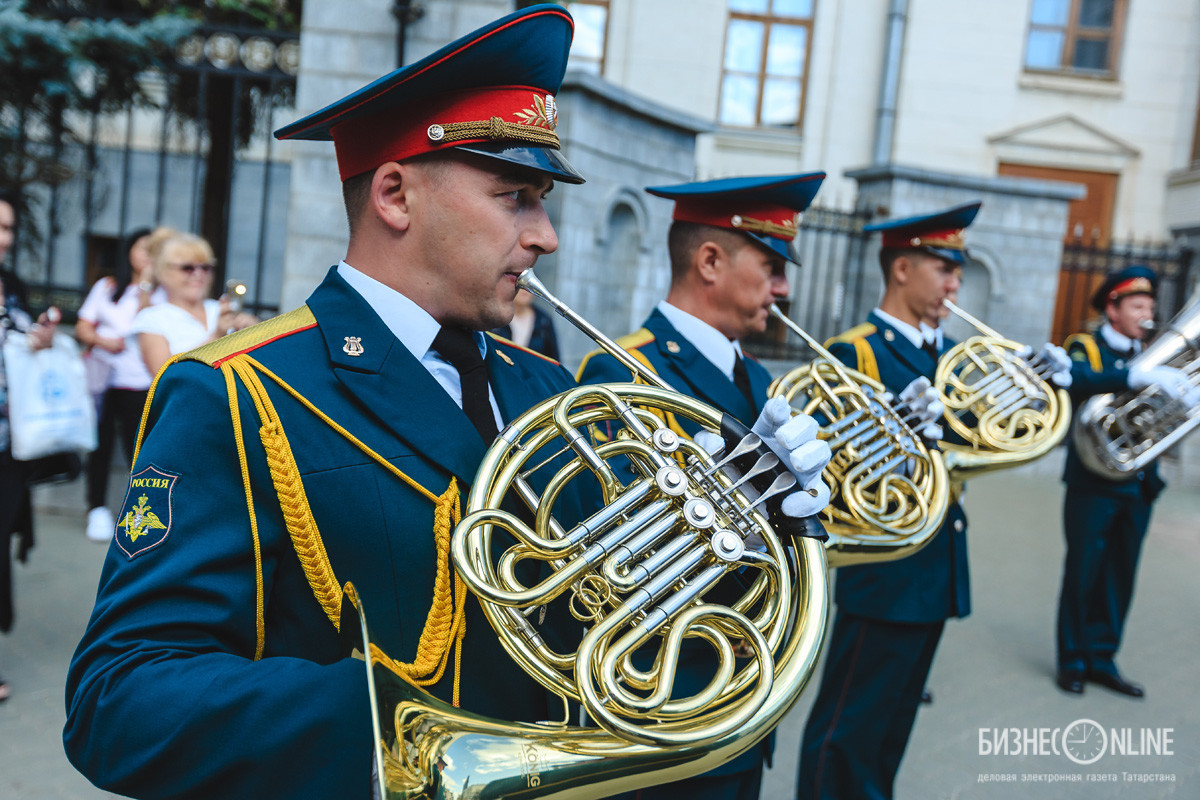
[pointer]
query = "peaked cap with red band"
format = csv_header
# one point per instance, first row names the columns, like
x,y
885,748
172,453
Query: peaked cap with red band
x,y
763,207
940,233
1134,279
490,92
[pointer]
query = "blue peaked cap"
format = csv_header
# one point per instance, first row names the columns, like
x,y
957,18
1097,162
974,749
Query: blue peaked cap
x,y
490,92
940,232
762,207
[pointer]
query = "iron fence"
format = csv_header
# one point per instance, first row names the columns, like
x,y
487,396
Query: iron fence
x,y
201,159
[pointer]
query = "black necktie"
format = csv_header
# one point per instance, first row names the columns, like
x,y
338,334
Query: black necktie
x,y
741,379
458,346
931,348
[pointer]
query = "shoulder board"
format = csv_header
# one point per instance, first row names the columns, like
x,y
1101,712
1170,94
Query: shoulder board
x,y
1090,349
515,346
630,342
857,332
252,338
639,338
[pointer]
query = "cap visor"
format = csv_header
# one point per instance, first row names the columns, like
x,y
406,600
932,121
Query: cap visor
x,y
777,246
542,159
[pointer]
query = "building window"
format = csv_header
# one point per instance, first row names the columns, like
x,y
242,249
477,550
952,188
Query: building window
x,y
1076,36
766,62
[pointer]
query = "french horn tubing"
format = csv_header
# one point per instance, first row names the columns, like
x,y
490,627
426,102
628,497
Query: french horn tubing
x,y
888,491
1117,434
998,402
637,576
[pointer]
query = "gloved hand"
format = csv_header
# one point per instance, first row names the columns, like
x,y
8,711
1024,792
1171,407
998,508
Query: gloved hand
x,y
794,440
1053,360
1173,381
920,407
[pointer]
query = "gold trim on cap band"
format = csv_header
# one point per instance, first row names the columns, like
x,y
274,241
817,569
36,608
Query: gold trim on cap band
x,y
787,229
494,128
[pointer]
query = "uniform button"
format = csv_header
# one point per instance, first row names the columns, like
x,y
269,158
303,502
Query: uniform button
x,y
958,525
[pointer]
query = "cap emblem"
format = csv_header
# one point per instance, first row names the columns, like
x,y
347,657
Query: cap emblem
x,y
436,133
543,114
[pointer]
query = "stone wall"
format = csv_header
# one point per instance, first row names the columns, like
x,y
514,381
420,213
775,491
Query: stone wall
x,y
611,265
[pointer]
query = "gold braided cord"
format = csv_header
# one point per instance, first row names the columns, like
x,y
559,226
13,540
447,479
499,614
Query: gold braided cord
x,y
293,502
260,625
446,621
787,229
496,128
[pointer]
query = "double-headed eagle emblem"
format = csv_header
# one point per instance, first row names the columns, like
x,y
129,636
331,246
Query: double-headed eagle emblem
x,y
140,520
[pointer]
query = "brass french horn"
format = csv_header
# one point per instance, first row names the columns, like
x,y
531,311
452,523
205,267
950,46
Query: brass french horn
x,y
636,576
998,401
888,491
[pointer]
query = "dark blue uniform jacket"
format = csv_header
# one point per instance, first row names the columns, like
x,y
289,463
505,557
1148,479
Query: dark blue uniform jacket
x,y
932,584
164,697
1096,368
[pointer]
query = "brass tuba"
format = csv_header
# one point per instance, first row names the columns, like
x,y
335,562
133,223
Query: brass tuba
x,y
998,401
1118,434
888,492
635,575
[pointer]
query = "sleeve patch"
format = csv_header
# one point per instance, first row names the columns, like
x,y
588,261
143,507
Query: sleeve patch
x,y
145,518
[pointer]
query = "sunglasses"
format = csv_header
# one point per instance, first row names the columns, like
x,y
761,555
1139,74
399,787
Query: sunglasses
x,y
191,268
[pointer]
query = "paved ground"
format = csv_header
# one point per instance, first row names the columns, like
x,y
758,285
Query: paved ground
x,y
993,670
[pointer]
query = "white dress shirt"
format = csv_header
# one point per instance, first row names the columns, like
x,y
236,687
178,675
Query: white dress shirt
x,y
712,344
910,332
416,330
1119,341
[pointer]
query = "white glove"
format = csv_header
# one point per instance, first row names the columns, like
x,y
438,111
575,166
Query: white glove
x,y
794,440
1173,381
1058,362
920,407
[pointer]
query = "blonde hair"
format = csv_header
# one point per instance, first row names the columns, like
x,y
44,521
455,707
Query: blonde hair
x,y
190,243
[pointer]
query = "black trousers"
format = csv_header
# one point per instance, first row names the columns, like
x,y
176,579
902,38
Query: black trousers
x,y
859,726
121,408
1104,541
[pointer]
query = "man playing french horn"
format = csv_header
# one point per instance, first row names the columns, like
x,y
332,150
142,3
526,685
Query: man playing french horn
x,y
890,616
730,246
1105,520
319,461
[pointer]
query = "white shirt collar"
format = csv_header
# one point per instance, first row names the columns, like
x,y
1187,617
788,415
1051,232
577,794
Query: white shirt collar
x,y
712,344
1119,341
910,332
407,321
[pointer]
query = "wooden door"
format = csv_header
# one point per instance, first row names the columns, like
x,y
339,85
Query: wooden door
x,y
1089,225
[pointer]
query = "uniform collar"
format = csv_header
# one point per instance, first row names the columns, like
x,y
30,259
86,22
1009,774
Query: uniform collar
x,y
712,344
407,321
1119,341
910,332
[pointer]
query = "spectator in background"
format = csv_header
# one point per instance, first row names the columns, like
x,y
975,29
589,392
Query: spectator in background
x,y
183,265
16,515
105,323
530,327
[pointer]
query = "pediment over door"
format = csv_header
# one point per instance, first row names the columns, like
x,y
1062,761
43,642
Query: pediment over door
x,y
1064,141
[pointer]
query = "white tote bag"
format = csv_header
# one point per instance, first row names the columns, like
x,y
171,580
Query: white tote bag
x,y
49,407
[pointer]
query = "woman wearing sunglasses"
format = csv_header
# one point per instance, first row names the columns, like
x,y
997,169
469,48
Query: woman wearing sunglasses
x,y
189,318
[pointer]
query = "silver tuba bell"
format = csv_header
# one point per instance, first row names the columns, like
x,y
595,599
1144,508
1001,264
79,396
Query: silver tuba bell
x,y
1118,434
